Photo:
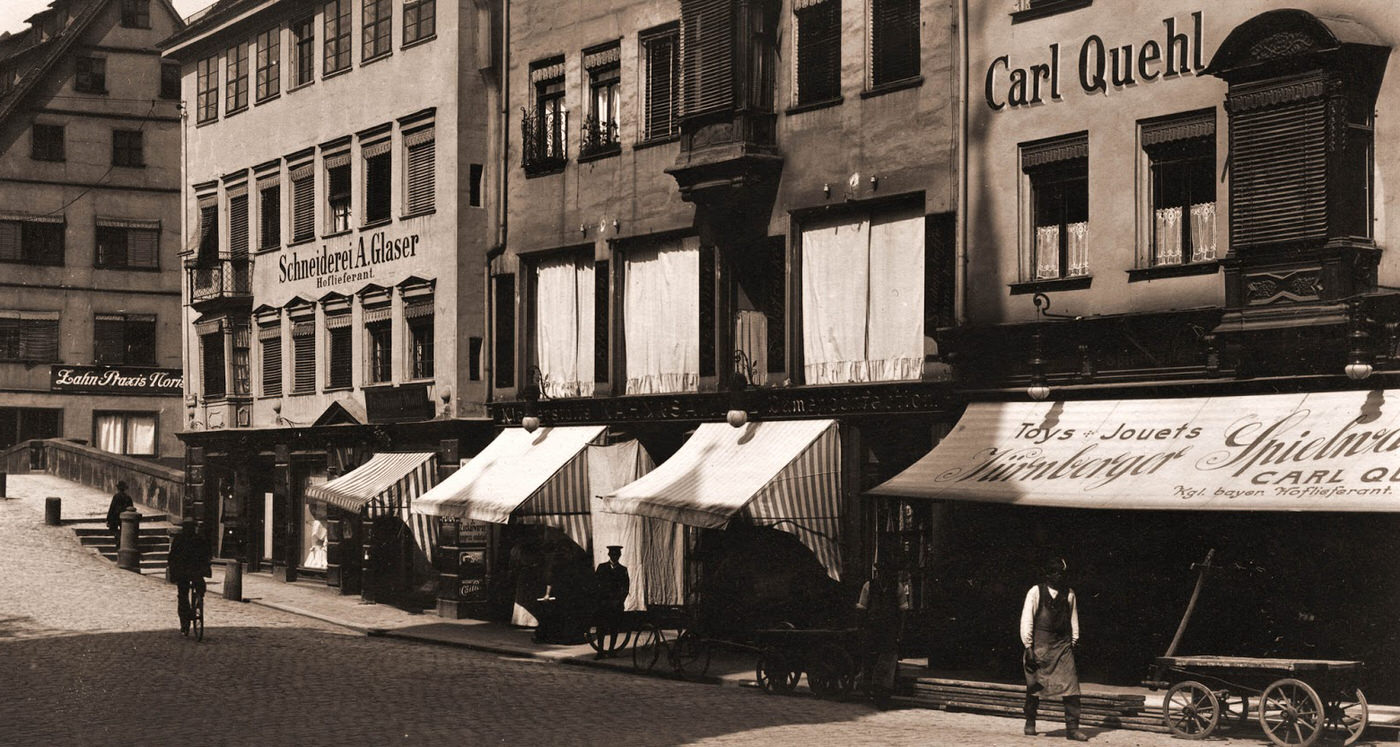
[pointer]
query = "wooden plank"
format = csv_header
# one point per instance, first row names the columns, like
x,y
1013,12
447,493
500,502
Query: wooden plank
x,y
1258,663
1001,686
1050,706
1086,701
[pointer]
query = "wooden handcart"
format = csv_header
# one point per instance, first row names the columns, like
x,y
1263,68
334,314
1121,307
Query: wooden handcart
x,y
828,656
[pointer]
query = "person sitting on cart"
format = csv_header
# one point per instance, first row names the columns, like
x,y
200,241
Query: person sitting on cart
x,y
884,600
1049,632
613,584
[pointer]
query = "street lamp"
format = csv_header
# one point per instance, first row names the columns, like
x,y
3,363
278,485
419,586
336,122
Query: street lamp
x,y
530,421
1358,365
739,398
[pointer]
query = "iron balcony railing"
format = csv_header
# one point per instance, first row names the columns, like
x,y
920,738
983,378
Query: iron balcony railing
x,y
598,137
221,278
543,140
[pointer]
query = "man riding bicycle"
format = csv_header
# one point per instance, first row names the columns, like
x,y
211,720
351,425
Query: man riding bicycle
x,y
189,564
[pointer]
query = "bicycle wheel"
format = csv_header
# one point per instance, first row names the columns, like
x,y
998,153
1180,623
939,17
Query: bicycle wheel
x,y
690,654
647,647
198,617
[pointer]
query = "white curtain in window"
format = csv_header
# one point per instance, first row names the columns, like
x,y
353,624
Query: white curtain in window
x,y
110,433
1203,232
1047,252
1167,236
141,435
564,326
835,298
1078,248
895,326
661,319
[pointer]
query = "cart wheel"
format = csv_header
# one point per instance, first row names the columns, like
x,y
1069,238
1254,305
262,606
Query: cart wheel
x,y
647,647
1291,713
1345,716
690,654
774,674
603,643
829,674
1191,710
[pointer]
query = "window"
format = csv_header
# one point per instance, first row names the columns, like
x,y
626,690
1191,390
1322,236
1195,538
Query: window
x,y
242,368
91,76
207,81
303,356
23,423
338,355
48,143
862,300
269,63
707,56
379,181
124,339
604,89
337,50
270,344
660,55
303,180
29,336
170,80
237,87
130,433
123,244
543,146
419,20
418,315
420,174
136,14
564,297
817,39
212,364
37,241
127,148
375,29
474,173
304,51
503,311
379,342
338,192
1181,158
661,310
1058,171
894,41
238,222
269,213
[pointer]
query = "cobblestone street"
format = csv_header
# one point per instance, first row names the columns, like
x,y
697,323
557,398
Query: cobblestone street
x,y
90,654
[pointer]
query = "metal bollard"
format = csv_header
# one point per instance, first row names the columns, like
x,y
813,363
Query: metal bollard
x,y
52,510
128,552
233,580
3,478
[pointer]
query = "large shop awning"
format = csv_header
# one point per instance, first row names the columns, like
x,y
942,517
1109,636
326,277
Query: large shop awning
x,y
784,474
389,479
539,478
1330,451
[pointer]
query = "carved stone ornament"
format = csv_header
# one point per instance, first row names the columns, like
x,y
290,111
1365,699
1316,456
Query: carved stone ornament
x,y
1282,44
1292,287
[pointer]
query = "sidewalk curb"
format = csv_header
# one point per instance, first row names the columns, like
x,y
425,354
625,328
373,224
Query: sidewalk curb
x,y
305,613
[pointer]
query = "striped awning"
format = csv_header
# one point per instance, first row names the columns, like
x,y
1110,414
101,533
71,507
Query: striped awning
x,y
388,481
785,474
532,478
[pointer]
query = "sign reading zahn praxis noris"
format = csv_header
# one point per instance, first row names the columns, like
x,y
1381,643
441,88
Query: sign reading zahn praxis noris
x,y
1331,451
126,380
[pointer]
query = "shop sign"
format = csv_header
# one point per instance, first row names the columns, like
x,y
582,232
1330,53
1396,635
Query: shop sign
x,y
1331,451
352,262
1101,66
123,380
398,404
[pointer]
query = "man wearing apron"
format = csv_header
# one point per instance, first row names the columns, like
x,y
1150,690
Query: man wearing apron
x,y
1049,632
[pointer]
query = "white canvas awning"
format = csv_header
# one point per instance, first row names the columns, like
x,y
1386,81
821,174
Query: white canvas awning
x,y
785,474
1328,451
539,477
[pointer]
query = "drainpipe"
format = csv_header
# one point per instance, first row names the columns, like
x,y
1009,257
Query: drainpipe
x,y
502,182
960,249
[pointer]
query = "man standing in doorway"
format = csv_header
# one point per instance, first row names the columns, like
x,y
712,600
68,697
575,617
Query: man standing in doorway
x,y
1049,632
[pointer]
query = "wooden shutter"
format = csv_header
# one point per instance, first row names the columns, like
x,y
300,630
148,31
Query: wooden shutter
x,y
661,84
707,56
142,247
303,203
238,224
379,171
338,343
894,40
304,356
9,241
208,231
421,147
1278,177
270,214
818,51
108,338
270,336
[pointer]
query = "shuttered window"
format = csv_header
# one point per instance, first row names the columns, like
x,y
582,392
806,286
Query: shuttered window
x,y
379,334
818,41
29,336
207,83
270,214
421,173
662,55
41,242
269,63
238,224
378,182
270,341
303,356
337,35
338,357
208,231
47,143
212,360
1278,174
124,246
707,56
303,203
894,40
124,339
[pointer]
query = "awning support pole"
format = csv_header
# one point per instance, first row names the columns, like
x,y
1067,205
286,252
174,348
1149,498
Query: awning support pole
x,y
1202,567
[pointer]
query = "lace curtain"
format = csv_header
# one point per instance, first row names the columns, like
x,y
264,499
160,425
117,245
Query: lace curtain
x,y
1078,248
1167,236
1203,232
1047,252
661,319
564,326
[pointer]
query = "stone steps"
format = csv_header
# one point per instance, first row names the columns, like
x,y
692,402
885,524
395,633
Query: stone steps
x,y
153,540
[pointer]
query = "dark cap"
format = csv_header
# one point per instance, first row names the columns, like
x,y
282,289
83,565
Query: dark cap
x,y
121,484
1055,565
615,547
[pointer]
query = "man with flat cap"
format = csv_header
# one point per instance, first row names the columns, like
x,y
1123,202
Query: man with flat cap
x,y
1049,632
613,584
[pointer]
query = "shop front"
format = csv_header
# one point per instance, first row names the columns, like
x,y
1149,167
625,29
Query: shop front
x,y
1297,494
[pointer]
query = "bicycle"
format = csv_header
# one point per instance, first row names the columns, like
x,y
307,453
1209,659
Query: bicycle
x,y
195,605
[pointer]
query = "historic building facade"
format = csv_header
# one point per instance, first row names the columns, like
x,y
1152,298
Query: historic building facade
x,y
89,229
338,213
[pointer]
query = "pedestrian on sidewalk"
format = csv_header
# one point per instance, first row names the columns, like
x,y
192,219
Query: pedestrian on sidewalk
x,y
1050,632
612,583
189,565
884,599
120,502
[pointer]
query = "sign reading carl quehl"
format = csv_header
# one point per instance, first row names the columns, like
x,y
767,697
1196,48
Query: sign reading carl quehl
x,y
1331,451
163,382
353,263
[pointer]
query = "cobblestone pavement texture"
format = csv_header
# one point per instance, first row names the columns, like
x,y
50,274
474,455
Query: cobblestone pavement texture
x,y
90,654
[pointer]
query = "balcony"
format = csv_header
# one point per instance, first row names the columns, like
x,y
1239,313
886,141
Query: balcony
x,y
599,139
224,282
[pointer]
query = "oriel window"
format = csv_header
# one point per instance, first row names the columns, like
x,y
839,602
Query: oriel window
x,y
212,365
